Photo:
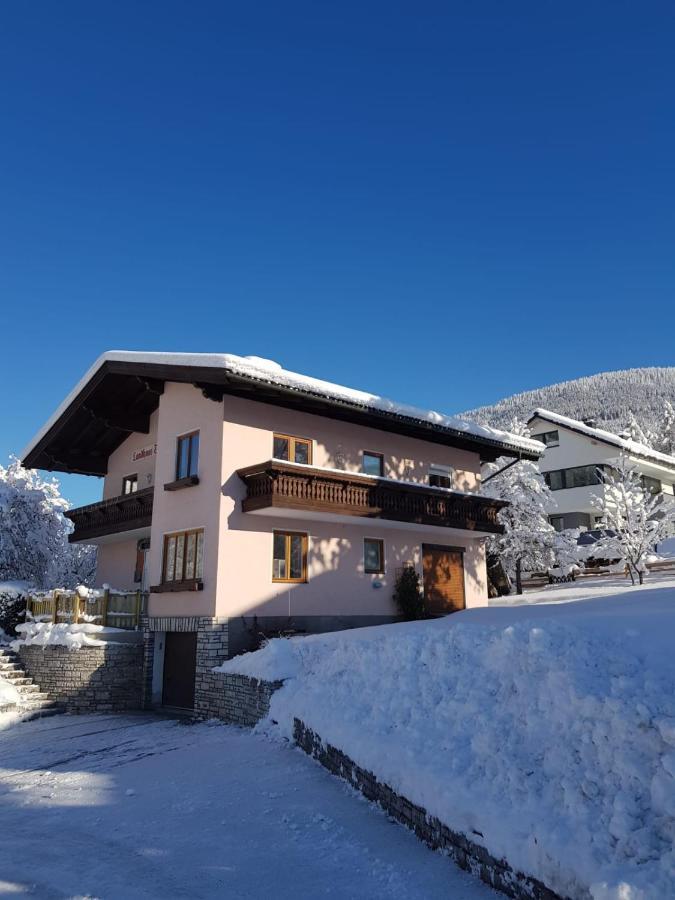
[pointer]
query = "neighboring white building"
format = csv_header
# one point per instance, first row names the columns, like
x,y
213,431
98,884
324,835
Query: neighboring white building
x,y
575,451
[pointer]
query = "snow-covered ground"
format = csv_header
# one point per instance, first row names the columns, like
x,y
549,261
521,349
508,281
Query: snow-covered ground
x,y
140,807
548,727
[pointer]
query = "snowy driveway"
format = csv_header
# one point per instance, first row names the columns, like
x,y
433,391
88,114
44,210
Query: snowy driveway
x,y
134,806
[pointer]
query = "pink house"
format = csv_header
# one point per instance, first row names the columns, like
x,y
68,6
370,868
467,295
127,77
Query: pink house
x,y
246,499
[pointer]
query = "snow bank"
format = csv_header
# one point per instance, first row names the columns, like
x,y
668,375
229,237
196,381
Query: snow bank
x,y
8,693
549,729
44,633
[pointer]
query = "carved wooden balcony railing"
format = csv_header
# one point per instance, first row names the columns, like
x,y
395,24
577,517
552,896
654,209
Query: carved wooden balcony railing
x,y
282,485
124,513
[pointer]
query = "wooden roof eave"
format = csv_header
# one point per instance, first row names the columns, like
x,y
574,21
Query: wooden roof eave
x,y
101,394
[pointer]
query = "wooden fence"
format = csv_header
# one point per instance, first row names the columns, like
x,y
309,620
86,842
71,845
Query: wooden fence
x,y
111,608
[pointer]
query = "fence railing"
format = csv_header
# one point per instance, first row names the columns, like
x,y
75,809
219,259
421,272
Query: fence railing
x,y
112,609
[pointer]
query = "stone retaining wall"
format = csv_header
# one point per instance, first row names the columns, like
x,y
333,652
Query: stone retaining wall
x,y
465,852
93,679
236,699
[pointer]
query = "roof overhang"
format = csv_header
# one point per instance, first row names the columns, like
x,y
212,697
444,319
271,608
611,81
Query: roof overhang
x,y
118,395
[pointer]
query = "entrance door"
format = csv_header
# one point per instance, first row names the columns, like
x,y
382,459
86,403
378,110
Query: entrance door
x,y
443,579
180,663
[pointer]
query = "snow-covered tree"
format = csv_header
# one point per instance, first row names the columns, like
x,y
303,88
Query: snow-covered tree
x,y
529,541
665,434
635,432
34,532
635,518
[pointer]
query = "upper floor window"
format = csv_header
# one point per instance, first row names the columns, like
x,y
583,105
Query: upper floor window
x,y
440,476
293,449
289,557
373,463
187,455
129,484
653,485
579,476
183,556
549,438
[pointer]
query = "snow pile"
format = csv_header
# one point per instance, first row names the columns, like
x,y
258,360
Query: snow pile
x,y
43,633
8,693
547,732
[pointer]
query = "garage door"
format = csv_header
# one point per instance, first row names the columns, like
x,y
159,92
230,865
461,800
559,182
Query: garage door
x,y
443,579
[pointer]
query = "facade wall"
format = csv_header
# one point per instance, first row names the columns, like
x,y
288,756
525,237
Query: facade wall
x,y
250,425
183,409
116,565
122,462
337,584
237,569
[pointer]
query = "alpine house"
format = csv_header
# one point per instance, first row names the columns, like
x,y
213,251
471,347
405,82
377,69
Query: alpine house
x,y
247,500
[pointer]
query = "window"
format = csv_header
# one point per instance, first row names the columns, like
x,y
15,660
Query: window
x,y
129,484
549,438
289,561
183,556
653,485
558,522
293,449
373,556
187,455
580,476
373,463
440,476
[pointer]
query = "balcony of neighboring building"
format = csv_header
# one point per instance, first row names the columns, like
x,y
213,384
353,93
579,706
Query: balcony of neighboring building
x,y
276,487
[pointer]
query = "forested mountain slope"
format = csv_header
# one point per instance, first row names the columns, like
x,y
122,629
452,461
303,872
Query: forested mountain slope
x,y
609,397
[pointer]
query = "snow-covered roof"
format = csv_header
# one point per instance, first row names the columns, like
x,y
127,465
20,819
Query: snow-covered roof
x,y
633,448
264,371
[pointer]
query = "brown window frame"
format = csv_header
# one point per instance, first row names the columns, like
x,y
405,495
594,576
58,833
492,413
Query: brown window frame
x,y
372,453
184,535
305,543
292,440
380,570
179,439
129,479
443,471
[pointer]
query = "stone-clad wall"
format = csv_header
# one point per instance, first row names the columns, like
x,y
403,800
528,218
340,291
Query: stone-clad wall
x,y
92,679
233,698
465,852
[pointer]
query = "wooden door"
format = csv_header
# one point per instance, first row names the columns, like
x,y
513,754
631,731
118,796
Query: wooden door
x,y
443,579
180,663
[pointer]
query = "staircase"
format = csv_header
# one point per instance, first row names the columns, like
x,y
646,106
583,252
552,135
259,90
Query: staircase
x,y
33,704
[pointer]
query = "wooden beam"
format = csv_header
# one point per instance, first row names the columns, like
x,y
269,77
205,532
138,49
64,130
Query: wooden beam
x,y
123,419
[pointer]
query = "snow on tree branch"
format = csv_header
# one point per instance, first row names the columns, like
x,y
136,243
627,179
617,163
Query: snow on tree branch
x,y
635,518
34,532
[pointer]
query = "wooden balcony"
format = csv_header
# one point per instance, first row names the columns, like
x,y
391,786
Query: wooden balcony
x,y
282,486
125,513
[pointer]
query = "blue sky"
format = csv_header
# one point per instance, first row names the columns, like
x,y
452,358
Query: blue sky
x,y
442,202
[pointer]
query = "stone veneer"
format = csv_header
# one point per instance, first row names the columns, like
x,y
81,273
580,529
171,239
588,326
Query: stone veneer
x,y
92,679
236,699
466,853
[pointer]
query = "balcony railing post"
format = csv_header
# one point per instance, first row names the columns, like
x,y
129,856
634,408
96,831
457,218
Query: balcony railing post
x,y
138,608
104,608
76,608
55,611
